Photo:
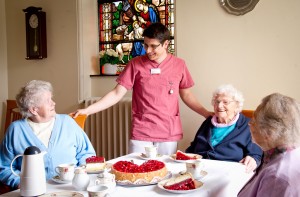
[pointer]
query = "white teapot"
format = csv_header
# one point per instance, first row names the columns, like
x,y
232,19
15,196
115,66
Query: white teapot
x,y
107,179
81,179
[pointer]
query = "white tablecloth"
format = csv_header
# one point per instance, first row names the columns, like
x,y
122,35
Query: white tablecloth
x,y
223,179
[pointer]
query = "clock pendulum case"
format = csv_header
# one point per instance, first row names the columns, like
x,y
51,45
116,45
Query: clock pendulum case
x,y
36,41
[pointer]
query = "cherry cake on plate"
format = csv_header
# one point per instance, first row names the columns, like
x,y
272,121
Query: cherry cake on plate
x,y
95,163
182,182
185,156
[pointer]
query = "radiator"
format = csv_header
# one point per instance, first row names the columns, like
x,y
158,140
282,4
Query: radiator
x,y
109,130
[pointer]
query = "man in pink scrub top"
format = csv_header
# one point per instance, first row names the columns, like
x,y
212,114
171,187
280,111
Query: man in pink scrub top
x,y
157,80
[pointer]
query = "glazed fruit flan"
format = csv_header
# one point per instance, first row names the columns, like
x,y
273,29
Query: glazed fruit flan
x,y
128,171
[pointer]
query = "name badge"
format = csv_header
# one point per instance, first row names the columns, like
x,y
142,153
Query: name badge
x,y
155,71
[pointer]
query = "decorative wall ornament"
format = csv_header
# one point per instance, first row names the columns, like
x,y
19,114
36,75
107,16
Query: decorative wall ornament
x,y
238,7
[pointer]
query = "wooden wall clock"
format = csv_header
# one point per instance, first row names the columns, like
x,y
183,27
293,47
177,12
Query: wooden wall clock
x,y
36,41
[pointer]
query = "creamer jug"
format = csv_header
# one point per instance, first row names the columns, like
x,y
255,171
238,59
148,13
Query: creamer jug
x,y
81,179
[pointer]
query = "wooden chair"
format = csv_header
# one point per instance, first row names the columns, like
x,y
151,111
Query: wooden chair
x,y
80,119
248,113
12,113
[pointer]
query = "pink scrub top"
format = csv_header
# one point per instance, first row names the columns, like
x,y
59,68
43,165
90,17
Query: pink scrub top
x,y
155,107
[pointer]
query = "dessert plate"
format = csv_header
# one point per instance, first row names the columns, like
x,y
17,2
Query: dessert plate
x,y
198,157
201,175
107,168
143,182
58,180
62,194
143,156
198,185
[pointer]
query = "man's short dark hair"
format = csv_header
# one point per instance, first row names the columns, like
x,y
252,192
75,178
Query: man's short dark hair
x,y
157,31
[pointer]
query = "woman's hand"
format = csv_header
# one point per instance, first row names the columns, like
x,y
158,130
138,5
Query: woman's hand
x,y
250,163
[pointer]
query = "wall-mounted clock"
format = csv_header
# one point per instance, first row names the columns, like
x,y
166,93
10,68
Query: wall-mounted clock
x,y
36,41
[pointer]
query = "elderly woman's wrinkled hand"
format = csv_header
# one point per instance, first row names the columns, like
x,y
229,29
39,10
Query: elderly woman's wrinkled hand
x,y
250,163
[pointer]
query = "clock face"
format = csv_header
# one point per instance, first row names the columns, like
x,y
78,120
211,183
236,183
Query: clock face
x,y
33,21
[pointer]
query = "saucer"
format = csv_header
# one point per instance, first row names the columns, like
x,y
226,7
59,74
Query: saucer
x,y
106,168
66,193
202,174
143,156
58,180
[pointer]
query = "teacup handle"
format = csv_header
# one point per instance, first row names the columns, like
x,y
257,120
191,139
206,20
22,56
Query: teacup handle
x,y
57,170
114,176
97,182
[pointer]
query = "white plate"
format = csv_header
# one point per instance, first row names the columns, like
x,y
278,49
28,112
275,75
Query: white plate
x,y
198,185
143,182
107,168
143,156
58,180
62,194
94,171
173,157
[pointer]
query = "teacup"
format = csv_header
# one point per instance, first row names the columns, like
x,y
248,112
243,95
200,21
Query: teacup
x,y
65,171
195,168
151,151
98,191
106,179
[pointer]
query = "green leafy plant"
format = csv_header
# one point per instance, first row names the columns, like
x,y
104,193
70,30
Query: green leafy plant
x,y
109,56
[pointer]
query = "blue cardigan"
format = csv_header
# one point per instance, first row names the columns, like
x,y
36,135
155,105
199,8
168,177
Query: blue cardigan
x,y
234,147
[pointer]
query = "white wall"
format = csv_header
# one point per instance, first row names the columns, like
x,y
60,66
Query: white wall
x,y
256,52
61,65
3,65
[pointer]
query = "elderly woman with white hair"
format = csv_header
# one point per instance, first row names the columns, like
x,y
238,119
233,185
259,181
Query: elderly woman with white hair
x,y
226,135
275,127
57,134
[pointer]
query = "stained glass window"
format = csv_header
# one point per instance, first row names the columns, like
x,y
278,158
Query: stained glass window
x,y
121,25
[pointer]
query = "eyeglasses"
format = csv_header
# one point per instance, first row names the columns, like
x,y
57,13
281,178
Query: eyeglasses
x,y
225,102
152,46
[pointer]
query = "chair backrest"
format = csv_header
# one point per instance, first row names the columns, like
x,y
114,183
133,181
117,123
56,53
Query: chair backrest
x,y
80,119
12,113
248,113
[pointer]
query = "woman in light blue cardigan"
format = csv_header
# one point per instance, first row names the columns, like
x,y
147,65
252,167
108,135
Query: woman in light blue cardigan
x,y
58,135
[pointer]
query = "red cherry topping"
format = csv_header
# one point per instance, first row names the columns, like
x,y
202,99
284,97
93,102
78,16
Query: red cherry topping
x,y
187,184
95,159
148,166
181,156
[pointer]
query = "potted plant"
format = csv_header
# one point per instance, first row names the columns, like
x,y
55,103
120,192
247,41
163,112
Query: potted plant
x,y
109,60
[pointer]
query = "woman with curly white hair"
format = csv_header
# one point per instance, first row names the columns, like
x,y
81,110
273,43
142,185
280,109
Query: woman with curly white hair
x,y
275,127
226,135
57,134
